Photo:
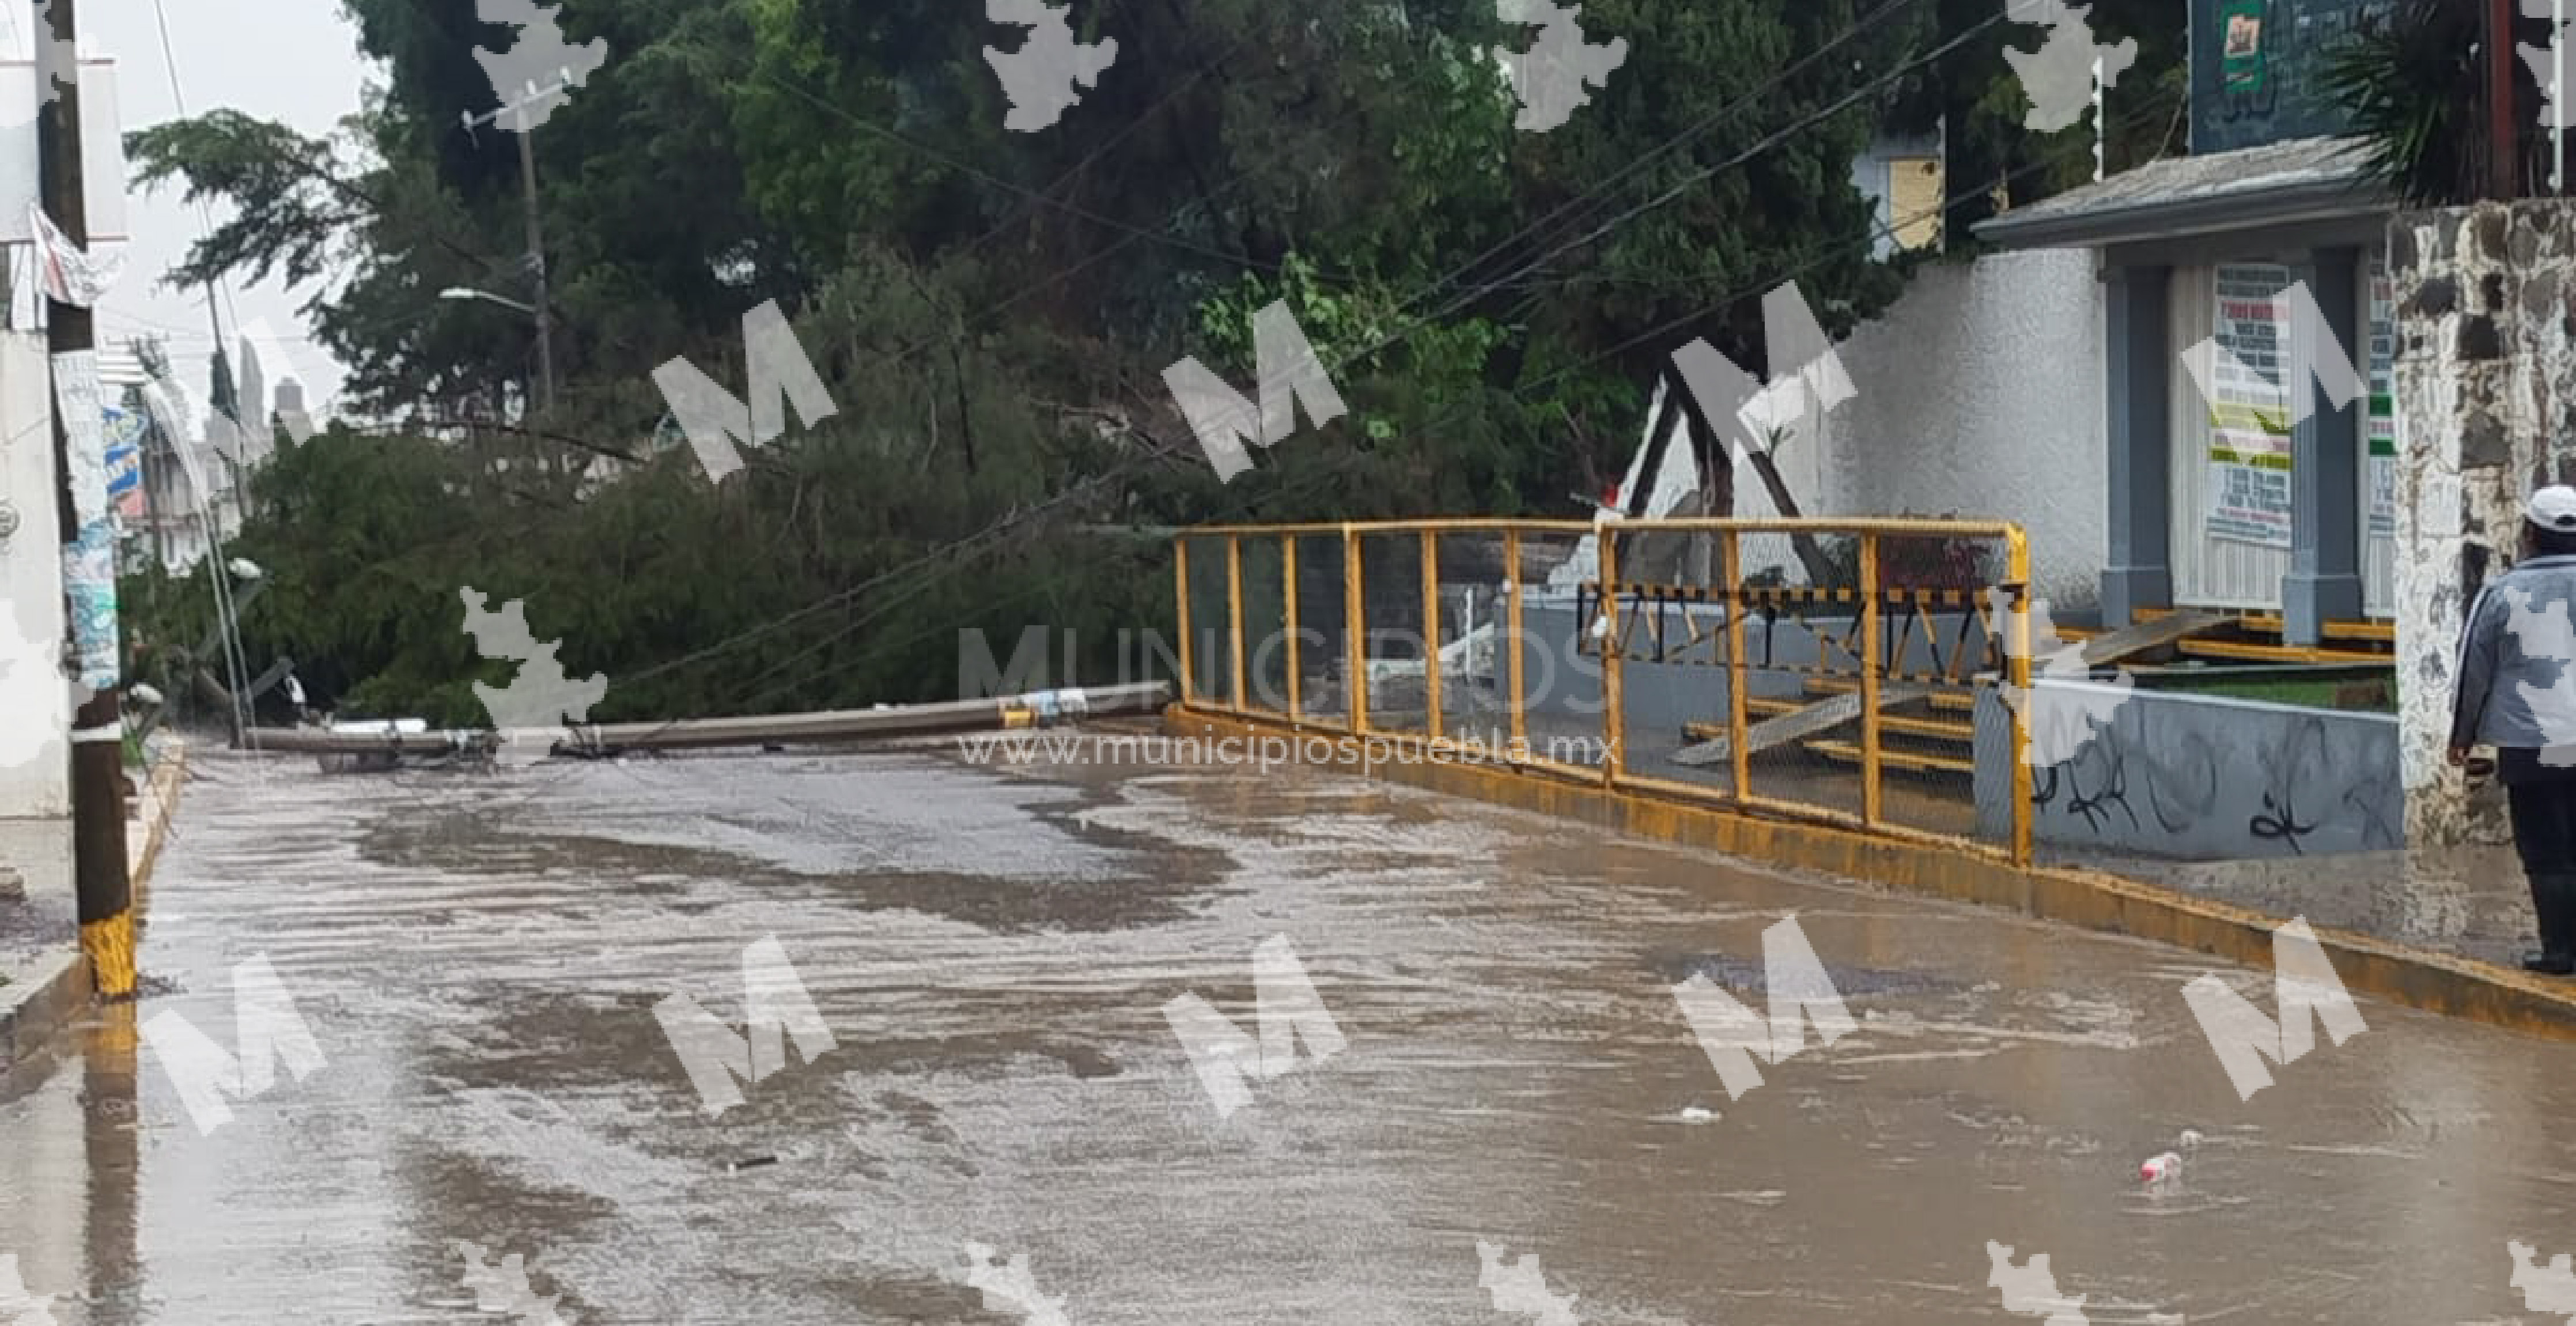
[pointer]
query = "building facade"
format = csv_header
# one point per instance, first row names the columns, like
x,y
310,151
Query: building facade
x,y
2238,479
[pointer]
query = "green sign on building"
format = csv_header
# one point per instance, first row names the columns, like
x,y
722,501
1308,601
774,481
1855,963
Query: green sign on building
x,y
2257,69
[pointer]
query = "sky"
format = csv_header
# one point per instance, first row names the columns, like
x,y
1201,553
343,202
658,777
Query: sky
x,y
294,61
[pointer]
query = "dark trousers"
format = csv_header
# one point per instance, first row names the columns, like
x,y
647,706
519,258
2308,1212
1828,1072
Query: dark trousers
x,y
2544,825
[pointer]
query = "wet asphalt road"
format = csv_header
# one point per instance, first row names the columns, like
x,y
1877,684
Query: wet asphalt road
x,y
479,960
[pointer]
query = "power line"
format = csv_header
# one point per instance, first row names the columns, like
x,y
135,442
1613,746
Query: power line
x,y
1819,255
1677,141
1133,234
1768,142
1764,145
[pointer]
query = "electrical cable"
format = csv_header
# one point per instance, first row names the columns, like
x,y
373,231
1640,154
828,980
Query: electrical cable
x,y
1878,230
1768,142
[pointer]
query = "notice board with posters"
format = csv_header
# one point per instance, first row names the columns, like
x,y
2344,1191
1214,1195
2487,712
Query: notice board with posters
x,y
2257,69
2379,431
2249,409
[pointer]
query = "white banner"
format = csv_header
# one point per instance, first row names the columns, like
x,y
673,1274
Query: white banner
x,y
67,274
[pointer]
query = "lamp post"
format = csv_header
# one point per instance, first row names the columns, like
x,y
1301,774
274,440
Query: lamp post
x,y
545,354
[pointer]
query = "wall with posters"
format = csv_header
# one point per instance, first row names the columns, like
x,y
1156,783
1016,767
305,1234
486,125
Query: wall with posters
x,y
2248,484
2232,523
34,766
2229,473
2379,445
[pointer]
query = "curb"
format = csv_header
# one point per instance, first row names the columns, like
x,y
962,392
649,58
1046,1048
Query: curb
x,y
164,786
2096,900
34,1008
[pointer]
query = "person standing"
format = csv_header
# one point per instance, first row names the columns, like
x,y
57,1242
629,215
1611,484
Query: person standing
x,y
2517,692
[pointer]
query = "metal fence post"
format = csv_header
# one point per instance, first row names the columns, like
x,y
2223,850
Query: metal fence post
x,y
1355,628
1614,727
1738,674
1234,619
1871,666
2017,667
1181,578
1431,632
1288,614
1514,700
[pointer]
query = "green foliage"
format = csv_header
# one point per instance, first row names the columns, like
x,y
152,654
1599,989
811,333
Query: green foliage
x,y
991,311
2415,82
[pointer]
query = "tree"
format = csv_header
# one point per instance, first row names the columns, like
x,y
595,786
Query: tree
x,y
991,310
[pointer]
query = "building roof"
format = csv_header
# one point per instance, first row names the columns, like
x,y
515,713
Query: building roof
x,y
2300,179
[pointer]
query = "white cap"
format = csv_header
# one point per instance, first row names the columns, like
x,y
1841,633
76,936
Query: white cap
x,y
2553,507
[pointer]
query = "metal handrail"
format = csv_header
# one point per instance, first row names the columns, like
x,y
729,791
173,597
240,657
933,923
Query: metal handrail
x,y
1868,601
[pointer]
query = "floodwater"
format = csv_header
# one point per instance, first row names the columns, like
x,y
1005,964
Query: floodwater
x,y
479,960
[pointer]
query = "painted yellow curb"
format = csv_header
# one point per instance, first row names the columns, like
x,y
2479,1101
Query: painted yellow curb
x,y
2097,900
165,782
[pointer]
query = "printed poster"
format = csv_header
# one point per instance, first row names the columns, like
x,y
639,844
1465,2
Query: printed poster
x,y
83,412
2249,411
89,562
125,436
2241,67
89,594
2380,430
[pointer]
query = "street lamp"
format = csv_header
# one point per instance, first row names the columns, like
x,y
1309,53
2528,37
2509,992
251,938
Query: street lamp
x,y
545,347
463,292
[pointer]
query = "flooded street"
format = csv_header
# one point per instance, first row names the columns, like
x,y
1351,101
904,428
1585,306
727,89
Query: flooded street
x,y
479,960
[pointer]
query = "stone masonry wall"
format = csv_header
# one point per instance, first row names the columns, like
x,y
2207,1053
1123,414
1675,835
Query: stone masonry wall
x,y
2486,405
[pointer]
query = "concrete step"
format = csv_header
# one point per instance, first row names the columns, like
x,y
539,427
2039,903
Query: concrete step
x,y
2256,651
1959,699
1893,757
1957,731
2366,633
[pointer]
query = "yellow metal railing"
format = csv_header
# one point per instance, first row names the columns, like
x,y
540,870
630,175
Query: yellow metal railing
x,y
1876,621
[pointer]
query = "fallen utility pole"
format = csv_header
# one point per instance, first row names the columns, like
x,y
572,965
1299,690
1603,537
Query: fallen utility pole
x,y
1039,709
104,893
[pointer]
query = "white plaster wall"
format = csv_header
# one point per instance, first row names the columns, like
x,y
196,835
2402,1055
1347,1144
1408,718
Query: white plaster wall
x,y
1981,397
30,573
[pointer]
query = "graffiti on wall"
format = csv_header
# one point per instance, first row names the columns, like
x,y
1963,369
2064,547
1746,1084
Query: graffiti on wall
x,y
2232,788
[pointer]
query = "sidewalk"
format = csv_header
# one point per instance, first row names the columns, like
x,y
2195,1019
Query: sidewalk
x,y
2439,931
44,980
2470,901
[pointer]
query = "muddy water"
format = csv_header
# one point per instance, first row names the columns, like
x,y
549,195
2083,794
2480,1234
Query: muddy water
x,y
480,960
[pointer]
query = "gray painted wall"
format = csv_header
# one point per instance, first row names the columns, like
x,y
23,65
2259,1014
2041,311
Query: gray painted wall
x,y
2201,778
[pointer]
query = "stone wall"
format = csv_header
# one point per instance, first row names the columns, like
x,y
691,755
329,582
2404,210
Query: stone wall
x,y
2486,405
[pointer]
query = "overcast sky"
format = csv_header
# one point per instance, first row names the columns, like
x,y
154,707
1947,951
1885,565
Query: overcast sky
x,y
290,60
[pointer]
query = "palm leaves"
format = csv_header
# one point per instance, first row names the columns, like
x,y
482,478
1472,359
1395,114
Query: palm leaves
x,y
2414,83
